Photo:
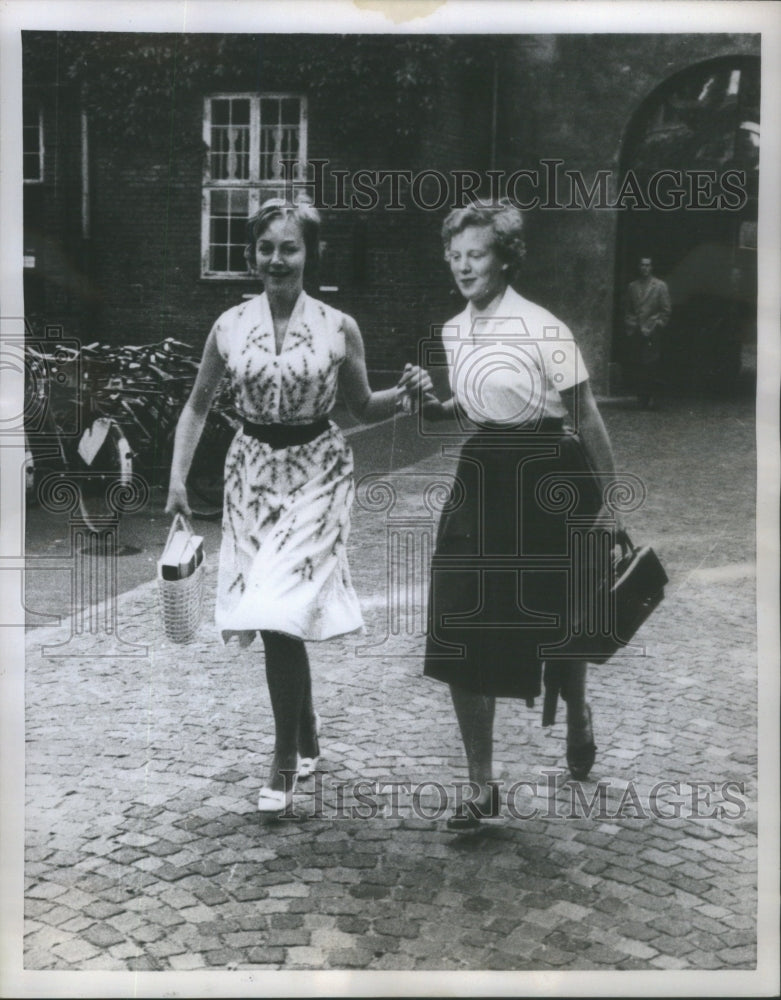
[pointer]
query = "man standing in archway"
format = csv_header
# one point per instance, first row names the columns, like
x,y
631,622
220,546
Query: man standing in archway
x,y
647,314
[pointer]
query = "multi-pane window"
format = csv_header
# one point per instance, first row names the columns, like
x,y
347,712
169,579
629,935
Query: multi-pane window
x,y
249,138
32,143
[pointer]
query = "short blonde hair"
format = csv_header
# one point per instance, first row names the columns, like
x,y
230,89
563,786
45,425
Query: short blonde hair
x,y
503,219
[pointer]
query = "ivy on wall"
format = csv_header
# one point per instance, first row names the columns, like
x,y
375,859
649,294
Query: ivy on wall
x,y
136,85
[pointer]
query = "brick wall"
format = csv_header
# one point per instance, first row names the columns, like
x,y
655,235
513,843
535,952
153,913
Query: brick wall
x,y
569,97
146,216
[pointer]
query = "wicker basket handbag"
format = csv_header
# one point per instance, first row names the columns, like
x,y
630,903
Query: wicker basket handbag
x,y
180,573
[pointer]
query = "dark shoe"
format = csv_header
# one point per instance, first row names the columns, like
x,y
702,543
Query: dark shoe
x,y
461,821
468,816
581,755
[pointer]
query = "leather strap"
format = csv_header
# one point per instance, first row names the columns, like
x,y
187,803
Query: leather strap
x,y
286,435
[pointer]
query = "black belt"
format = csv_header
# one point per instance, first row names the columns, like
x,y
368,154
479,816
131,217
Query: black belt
x,y
545,425
286,435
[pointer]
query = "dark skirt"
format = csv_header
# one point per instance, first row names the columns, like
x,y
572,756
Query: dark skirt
x,y
503,573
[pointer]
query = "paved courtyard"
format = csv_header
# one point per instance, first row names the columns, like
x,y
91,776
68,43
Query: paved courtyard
x,y
144,849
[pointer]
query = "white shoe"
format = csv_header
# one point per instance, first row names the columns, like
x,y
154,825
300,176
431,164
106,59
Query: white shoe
x,y
308,765
273,802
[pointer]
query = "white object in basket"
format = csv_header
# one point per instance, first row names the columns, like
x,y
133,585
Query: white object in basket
x,y
180,571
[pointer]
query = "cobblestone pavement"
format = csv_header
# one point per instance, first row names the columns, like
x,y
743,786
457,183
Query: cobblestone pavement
x,y
144,849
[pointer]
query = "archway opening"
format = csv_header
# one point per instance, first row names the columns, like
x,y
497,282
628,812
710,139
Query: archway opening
x,y
693,146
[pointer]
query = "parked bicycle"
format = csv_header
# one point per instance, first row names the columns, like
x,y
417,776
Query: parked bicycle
x,y
68,438
146,393
100,413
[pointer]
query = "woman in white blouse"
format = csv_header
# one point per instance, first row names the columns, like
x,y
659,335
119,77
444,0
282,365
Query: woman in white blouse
x,y
501,584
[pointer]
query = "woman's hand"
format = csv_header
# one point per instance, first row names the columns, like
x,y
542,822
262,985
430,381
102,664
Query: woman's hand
x,y
177,500
414,386
415,383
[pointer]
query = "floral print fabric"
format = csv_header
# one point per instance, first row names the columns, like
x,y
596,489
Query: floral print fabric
x,y
286,520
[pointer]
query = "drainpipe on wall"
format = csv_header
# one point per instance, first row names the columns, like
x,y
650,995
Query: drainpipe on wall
x,y
85,216
494,109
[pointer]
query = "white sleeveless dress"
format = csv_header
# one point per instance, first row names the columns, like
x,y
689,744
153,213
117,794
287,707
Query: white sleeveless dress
x,y
283,561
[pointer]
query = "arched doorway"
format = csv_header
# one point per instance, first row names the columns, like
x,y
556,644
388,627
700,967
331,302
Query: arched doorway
x,y
703,119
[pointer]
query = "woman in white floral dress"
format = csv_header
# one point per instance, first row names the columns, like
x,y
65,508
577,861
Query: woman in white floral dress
x,y
288,474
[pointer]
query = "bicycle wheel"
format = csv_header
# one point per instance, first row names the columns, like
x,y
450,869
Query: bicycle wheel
x,y
206,481
103,460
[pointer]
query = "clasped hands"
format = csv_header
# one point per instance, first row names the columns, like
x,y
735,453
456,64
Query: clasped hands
x,y
415,389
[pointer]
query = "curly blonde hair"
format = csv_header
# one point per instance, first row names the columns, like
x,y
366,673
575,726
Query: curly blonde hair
x,y
505,221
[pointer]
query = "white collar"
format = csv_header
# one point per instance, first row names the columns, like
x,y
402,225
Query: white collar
x,y
510,306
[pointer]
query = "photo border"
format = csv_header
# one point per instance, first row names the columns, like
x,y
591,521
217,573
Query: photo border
x,y
454,16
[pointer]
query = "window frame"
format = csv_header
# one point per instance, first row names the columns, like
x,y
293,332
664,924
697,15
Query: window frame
x,y
36,107
257,190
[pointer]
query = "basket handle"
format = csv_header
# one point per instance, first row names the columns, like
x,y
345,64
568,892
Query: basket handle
x,y
179,520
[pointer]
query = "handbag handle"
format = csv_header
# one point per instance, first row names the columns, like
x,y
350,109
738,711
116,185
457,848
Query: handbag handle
x,y
622,536
179,520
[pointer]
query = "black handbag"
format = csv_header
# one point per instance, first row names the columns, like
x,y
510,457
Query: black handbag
x,y
633,585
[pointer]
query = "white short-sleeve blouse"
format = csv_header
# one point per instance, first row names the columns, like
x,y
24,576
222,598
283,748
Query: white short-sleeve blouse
x,y
509,368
